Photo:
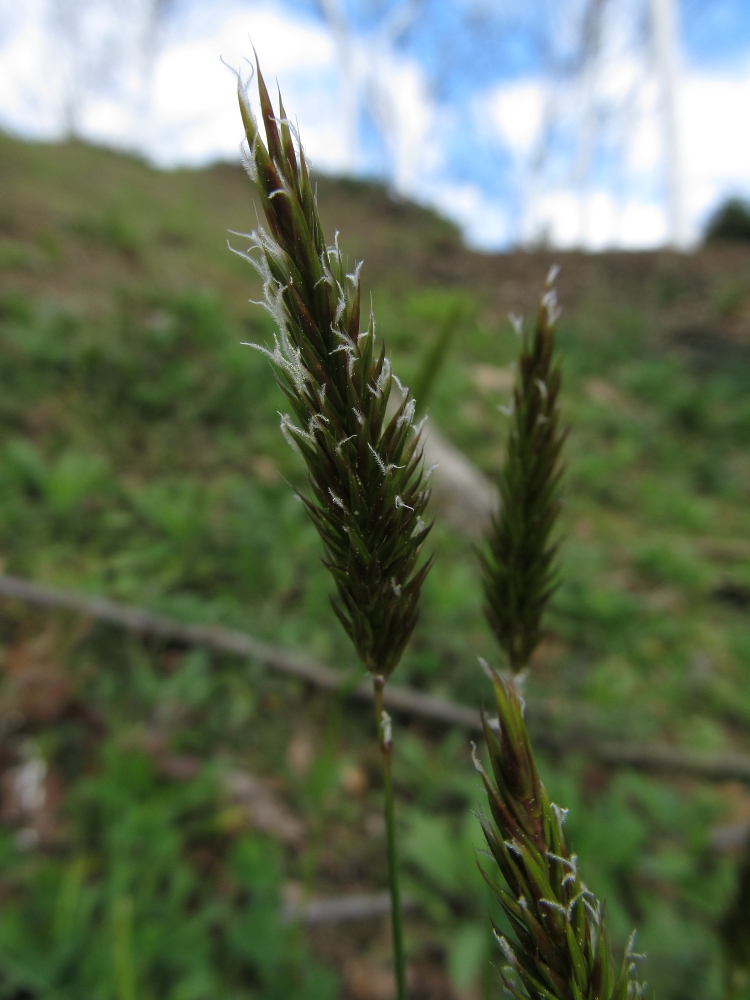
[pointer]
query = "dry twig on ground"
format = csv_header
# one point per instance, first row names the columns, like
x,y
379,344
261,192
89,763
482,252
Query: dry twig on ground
x,y
668,759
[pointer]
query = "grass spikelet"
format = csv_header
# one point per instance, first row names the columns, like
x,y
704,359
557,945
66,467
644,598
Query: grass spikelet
x,y
560,948
518,566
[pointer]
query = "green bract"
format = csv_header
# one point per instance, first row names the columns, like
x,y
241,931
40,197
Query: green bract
x,y
365,470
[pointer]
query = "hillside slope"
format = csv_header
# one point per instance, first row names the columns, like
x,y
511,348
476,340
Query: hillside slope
x,y
77,220
140,458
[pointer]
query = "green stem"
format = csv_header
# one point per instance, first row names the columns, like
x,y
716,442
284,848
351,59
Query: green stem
x,y
386,749
318,785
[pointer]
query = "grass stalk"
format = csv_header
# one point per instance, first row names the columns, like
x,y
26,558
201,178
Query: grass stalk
x,y
385,741
436,357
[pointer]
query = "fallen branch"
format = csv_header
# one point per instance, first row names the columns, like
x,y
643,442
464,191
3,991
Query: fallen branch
x,y
223,640
264,809
665,759
710,766
342,909
700,764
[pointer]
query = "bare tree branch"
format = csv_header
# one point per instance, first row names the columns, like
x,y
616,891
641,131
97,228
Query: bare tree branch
x,y
342,909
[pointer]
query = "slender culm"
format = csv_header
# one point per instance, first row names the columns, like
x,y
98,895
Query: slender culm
x,y
559,948
367,488
518,564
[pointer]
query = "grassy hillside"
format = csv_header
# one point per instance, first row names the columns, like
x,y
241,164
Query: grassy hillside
x,y
140,458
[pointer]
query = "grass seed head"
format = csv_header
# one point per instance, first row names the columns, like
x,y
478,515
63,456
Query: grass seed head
x,y
518,566
560,949
365,470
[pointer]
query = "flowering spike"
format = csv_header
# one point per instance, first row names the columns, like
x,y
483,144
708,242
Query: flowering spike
x,y
518,566
561,949
368,489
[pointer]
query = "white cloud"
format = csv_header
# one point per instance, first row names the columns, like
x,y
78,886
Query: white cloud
x,y
29,86
618,75
558,218
408,120
484,222
642,225
644,148
516,110
715,158
192,105
598,221
716,141
195,116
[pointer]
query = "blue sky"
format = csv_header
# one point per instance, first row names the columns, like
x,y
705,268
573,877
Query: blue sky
x,y
716,34
477,107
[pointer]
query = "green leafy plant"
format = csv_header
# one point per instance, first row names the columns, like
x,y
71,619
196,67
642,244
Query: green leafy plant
x,y
368,490
128,914
436,357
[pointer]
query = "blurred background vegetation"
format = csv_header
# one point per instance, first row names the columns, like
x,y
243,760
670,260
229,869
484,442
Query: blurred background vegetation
x,y
161,806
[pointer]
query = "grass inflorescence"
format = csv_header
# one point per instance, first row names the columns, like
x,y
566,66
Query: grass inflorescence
x,y
519,563
365,470
561,949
